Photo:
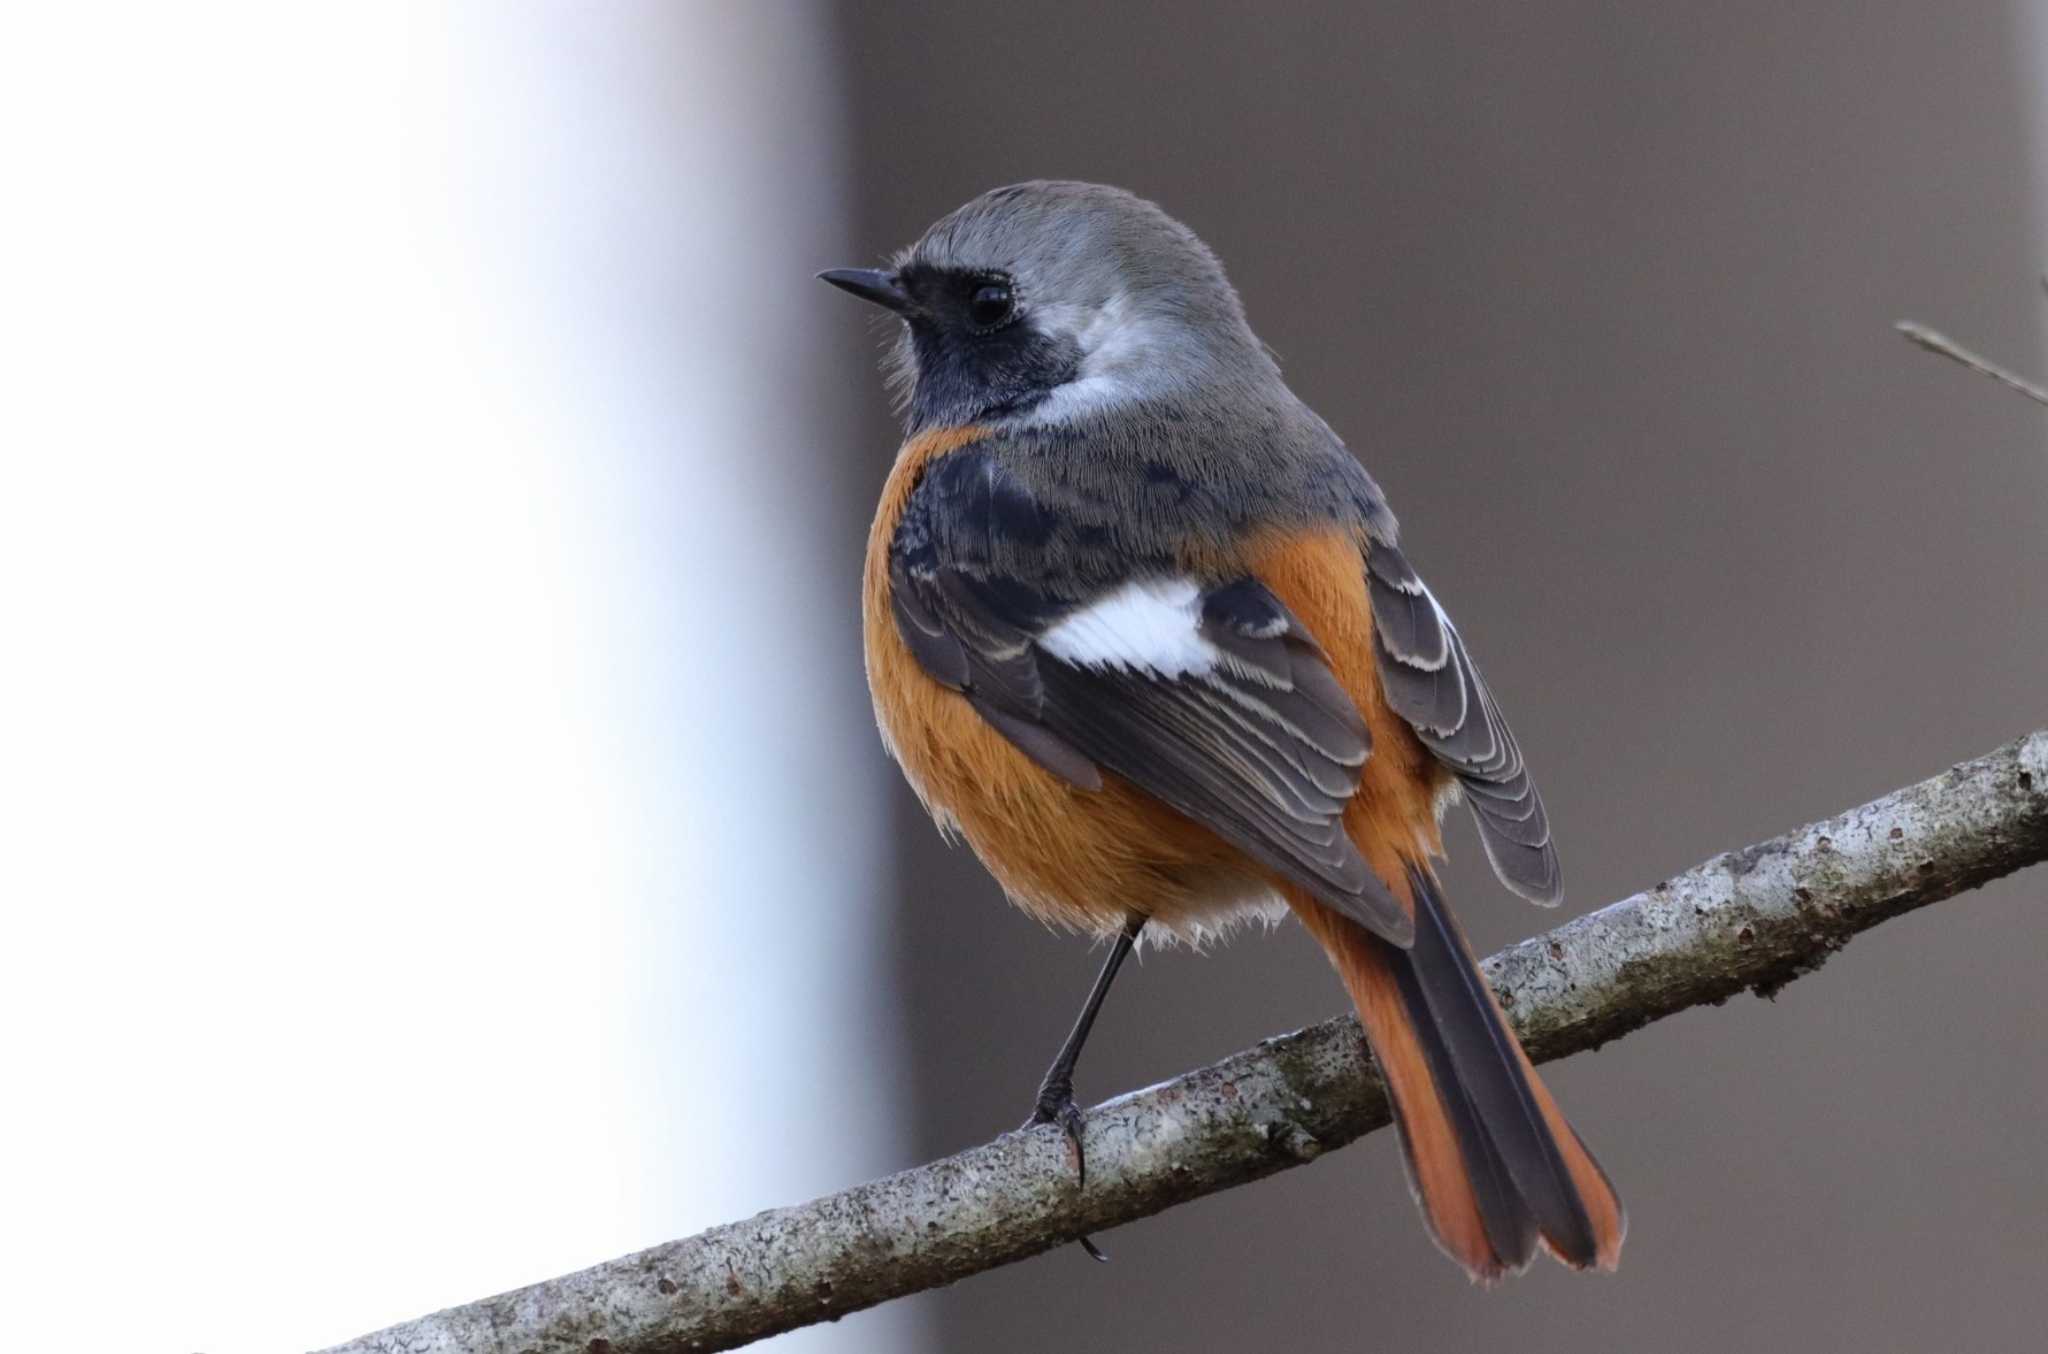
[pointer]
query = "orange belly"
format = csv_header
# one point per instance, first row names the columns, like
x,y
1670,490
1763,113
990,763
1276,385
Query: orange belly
x,y
1088,858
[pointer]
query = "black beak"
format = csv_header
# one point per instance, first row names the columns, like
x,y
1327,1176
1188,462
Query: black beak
x,y
869,284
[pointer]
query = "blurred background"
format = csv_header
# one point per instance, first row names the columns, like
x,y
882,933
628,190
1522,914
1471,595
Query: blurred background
x,y
443,840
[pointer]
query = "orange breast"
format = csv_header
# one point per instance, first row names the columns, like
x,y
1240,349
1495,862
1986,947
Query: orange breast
x,y
1084,858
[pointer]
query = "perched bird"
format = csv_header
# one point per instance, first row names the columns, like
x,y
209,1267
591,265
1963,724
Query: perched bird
x,y
1140,628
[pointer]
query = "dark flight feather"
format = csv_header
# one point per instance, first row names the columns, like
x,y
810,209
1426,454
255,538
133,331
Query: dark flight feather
x,y
1431,682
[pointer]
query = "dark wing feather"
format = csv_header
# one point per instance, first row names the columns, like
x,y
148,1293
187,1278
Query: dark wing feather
x,y
1431,682
1259,742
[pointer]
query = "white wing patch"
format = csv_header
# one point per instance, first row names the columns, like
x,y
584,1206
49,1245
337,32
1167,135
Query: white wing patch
x,y
1152,626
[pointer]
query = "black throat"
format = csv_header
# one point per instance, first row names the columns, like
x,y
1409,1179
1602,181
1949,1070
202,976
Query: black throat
x,y
967,378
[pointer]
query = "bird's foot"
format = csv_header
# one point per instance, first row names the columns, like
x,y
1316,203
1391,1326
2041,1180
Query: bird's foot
x,y
1056,1106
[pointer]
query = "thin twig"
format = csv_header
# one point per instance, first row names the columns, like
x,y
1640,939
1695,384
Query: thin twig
x,y
1750,919
1935,342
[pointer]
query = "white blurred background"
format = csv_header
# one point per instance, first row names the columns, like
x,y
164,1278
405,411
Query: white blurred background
x,y
440,847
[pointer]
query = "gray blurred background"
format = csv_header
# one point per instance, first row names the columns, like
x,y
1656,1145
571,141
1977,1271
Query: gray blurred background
x,y
448,841
1602,295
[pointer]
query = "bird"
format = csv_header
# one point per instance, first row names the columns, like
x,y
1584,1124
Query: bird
x,y
1141,629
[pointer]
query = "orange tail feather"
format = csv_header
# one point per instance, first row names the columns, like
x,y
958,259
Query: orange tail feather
x,y
1495,1167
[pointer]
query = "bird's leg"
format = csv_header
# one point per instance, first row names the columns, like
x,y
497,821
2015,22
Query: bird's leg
x,y
1056,1093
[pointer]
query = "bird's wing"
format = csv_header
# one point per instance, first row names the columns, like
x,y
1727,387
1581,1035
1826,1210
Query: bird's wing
x,y
1431,682
1211,697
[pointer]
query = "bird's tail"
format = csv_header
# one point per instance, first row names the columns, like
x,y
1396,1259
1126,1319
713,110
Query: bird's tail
x,y
1494,1165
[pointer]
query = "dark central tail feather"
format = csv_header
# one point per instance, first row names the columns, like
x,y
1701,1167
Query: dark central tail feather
x,y
1494,1165
1508,1222
1488,1064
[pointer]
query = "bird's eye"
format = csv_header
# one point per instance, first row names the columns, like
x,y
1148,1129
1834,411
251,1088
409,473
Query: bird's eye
x,y
991,305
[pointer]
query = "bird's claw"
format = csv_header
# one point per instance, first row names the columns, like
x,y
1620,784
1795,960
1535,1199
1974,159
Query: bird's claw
x,y
1056,1106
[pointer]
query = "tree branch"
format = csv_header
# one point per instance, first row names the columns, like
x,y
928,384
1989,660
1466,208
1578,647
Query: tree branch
x,y
1936,342
1755,918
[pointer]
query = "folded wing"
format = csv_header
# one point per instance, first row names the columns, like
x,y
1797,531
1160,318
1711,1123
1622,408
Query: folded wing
x,y
1431,682
1212,697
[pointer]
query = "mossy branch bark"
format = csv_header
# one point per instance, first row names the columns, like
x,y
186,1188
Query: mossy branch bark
x,y
1750,919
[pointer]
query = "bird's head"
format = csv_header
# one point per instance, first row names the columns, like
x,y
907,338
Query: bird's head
x,y
1049,302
